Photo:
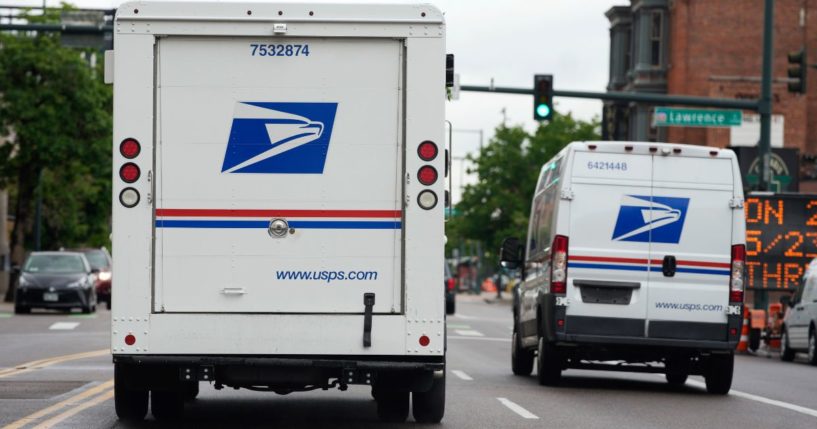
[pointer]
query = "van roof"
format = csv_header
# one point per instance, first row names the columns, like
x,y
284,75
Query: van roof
x,y
677,149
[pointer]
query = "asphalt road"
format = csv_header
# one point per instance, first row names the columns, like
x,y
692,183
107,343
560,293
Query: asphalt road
x,y
69,387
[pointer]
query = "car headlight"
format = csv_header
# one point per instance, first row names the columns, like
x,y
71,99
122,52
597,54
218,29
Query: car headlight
x,y
104,276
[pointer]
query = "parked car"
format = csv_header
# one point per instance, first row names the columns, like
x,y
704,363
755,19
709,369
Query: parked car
x,y
450,290
100,260
60,280
800,323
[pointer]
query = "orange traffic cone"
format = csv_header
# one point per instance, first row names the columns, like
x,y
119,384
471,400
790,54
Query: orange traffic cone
x,y
743,345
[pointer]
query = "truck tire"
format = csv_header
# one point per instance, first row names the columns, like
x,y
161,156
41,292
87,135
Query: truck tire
x,y
677,370
548,364
718,373
191,391
786,352
392,407
130,404
166,405
812,347
754,339
429,407
521,359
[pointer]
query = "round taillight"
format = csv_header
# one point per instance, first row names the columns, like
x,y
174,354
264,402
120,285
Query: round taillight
x,y
129,197
427,150
129,172
130,148
130,339
427,175
425,341
427,199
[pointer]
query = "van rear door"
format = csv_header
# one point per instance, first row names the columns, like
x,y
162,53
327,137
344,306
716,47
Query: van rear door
x,y
609,249
690,253
278,175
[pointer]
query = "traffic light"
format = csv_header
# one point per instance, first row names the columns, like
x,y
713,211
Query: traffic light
x,y
542,97
797,71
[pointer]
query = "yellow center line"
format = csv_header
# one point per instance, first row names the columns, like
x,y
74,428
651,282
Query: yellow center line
x,y
68,413
42,363
72,401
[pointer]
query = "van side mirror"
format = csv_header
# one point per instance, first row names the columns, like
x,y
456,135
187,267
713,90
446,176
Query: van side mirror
x,y
786,301
510,256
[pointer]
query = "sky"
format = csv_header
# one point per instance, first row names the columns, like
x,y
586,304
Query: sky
x,y
508,41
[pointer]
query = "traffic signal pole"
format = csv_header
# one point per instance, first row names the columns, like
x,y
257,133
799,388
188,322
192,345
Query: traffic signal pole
x,y
764,146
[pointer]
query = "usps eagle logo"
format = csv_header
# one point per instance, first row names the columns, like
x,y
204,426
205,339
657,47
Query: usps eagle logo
x,y
279,138
651,219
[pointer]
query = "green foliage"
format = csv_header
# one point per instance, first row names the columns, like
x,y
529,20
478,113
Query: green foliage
x,y
497,206
55,116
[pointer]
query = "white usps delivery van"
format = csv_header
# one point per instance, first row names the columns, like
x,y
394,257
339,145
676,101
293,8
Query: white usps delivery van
x,y
278,202
634,261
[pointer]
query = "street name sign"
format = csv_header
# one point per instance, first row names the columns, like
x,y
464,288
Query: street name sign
x,y
675,117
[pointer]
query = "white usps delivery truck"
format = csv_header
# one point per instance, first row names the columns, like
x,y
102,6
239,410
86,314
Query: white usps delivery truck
x,y
634,262
278,202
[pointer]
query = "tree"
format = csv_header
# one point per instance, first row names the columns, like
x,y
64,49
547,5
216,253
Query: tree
x,y
55,119
498,205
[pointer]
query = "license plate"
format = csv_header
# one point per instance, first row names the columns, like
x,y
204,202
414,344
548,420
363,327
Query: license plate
x,y
51,297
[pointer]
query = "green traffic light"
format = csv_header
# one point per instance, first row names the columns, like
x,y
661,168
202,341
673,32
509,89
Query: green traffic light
x,y
543,110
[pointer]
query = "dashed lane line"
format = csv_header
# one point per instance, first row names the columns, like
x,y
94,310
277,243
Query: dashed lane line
x,y
468,333
63,326
763,400
462,375
516,408
107,395
42,363
75,400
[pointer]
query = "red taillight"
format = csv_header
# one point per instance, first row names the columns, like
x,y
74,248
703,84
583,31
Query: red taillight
x,y
558,265
451,283
427,175
129,172
427,151
424,340
130,339
736,273
130,148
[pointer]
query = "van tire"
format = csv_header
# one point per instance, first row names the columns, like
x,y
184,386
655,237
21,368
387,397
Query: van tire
x,y
718,371
786,352
521,359
130,404
548,364
429,407
166,405
677,370
812,347
754,339
392,407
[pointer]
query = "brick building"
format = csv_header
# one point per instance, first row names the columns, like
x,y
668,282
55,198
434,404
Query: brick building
x,y
712,48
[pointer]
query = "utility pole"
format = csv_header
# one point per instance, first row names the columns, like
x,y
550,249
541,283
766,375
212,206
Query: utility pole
x,y
764,146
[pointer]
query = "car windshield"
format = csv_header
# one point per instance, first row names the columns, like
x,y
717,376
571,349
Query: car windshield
x,y
97,259
54,264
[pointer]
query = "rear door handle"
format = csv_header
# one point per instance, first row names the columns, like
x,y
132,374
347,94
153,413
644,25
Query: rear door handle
x,y
233,291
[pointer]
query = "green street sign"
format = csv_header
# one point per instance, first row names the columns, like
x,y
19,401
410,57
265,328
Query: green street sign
x,y
674,117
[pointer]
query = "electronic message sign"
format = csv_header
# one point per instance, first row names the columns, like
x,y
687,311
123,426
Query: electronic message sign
x,y
781,239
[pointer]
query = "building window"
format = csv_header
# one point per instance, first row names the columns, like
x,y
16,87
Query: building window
x,y
655,38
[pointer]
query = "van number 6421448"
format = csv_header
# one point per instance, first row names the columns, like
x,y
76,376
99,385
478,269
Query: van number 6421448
x,y
260,50
602,165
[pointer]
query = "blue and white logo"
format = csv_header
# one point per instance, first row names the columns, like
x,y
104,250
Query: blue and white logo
x,y
279,138
651,219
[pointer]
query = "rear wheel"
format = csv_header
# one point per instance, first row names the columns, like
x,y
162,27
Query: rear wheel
x,y
191,390
548,364
786,352
718,373
131,404
677,370
166,405
392,407
812,347
429,407
521,359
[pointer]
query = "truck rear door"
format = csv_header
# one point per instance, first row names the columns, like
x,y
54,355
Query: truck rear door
x,y
278,175
689,280
609,245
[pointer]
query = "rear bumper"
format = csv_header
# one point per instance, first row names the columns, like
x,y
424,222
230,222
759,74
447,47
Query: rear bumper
x,y
389,363
607,340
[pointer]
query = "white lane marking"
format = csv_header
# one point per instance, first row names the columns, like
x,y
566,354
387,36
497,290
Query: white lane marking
x,y
468,333
464,317
517,409
462,375
761,399
63,326
504,340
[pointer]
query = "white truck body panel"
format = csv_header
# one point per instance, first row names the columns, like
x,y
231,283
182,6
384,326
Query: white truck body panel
x,y
198,272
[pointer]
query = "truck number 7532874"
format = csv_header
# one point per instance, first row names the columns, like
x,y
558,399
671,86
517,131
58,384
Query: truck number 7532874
x,y
261,50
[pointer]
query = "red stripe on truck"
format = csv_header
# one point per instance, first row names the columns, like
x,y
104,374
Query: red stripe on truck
x,y
390,214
